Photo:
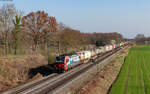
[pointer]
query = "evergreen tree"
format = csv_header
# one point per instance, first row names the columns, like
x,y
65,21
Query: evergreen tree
x,y
17,33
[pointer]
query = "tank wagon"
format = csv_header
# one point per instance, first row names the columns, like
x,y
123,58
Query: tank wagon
x,y
68,61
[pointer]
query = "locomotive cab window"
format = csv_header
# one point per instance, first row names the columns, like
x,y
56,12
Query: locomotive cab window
x,y
60,60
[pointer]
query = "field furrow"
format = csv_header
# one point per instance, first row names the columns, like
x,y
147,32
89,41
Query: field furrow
x,y
134,77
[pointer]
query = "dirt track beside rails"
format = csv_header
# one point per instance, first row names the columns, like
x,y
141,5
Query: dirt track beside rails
x,y
102,82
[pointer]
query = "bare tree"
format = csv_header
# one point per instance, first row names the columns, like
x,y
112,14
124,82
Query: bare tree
x,y
140,39
139,36
7,13
61,27
39,24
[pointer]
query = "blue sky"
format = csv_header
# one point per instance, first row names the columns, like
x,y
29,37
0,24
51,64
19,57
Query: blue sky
x,y
128,17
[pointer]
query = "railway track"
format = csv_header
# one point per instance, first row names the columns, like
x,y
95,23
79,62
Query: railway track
x,y
50,83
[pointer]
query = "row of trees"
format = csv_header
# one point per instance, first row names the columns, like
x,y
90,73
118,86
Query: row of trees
x,y
140,39
17,32
38,32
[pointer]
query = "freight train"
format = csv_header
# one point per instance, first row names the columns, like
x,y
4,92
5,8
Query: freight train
x,y
68,61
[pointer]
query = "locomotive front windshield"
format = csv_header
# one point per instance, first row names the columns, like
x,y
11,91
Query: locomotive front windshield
x,y
60,60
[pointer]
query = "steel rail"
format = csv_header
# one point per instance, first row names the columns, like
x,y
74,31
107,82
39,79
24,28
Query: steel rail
x,y
49,83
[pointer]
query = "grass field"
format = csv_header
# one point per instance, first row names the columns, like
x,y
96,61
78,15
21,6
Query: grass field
x,y
134,77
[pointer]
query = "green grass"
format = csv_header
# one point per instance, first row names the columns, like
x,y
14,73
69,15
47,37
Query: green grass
x,y
134,77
